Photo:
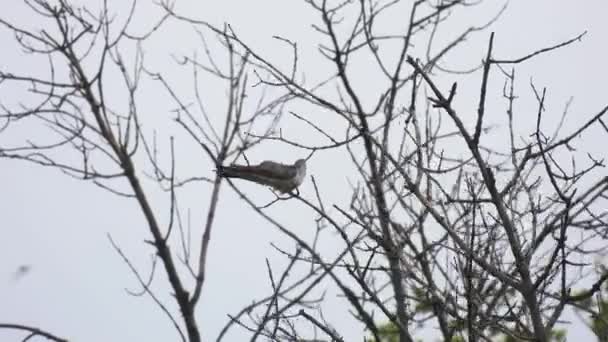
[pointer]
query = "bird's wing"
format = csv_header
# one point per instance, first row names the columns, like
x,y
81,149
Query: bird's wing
x,y
276,170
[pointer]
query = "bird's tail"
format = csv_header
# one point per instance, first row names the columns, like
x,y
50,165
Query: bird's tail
x,y
234,171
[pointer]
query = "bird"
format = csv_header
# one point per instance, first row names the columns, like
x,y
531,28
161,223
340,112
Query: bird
x,y
281,177
21,271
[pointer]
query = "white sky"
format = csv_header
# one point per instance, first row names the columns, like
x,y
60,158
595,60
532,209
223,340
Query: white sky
x,y
58,225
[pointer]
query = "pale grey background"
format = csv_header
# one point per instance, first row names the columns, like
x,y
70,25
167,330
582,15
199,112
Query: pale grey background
x,y
58,225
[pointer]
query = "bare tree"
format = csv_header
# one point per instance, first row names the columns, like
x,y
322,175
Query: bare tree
x,y
102,140
451,222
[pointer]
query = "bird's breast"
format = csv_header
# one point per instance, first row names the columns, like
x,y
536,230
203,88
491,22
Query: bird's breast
x,y
300,177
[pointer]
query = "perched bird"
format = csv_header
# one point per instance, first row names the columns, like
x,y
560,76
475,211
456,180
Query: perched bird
x,y
281,177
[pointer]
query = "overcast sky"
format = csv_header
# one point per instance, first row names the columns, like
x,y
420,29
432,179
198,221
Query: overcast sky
x,y
58,226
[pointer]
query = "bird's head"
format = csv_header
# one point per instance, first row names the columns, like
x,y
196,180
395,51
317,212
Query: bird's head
x,y
301,164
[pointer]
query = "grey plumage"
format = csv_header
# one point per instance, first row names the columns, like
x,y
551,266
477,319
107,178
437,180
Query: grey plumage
x,y
281,177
